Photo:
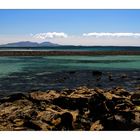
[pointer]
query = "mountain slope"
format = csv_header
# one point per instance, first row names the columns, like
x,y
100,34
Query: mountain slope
x,y
28,44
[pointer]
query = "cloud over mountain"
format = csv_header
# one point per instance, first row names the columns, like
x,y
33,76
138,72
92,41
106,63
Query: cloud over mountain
x,y
50,35
108,34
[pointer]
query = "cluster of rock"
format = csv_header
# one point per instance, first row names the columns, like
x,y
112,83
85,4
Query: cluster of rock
x,y
77,109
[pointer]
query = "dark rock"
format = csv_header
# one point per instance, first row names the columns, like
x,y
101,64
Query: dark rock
x,y
111,124
71,103
72,72
66,121
124,76
138,78
110,77
97,106
32,125
118,122
110,105
13,98
135,98
98,75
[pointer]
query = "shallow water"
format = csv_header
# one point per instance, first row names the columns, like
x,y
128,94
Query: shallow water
x,y
23,74
9,65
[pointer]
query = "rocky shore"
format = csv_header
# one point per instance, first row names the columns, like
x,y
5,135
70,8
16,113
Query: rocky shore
x,y
78,109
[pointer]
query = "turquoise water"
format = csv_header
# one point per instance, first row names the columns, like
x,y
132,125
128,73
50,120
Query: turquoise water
x,y
9,65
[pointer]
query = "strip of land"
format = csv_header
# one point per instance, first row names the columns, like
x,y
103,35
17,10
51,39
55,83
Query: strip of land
x,y
43,53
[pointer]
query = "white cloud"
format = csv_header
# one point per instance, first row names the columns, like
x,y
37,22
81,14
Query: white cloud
x,y
50,35
107,34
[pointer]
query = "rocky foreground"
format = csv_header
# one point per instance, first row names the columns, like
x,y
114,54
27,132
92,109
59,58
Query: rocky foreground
x,y
77,109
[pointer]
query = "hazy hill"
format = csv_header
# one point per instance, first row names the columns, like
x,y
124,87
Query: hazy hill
x,y
28,44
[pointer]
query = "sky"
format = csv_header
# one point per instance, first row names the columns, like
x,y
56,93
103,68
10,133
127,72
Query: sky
x,y
71,27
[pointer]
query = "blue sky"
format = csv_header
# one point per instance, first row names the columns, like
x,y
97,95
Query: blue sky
x,y
18,25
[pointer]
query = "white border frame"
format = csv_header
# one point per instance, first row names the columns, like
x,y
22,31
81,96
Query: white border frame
x,y
69,4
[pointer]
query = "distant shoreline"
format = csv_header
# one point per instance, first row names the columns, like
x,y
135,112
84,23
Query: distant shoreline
x,y
43,53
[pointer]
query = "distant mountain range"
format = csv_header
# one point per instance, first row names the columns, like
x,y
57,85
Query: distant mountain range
x,y
49,44
28,44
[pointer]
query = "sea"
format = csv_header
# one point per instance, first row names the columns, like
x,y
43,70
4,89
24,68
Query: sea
x,y
13,64
26,73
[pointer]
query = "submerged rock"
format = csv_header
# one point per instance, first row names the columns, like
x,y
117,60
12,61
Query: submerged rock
x,y
124,76
13,98
97,74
